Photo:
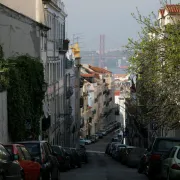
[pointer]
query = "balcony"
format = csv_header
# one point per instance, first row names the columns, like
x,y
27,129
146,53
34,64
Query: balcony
x,y
81,82
64,46
68,64
69,92
46,1
81,102
70,110
107,104
117,112
59,44
94,111
46,122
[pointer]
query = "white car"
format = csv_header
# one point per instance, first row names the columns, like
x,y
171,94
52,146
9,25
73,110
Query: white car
x,y
87,141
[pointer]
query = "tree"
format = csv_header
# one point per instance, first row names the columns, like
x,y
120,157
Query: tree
x,y
156,62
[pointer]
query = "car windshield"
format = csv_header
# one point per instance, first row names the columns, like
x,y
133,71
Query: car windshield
x,y
33,148
178,154
9,148
165,145
57,150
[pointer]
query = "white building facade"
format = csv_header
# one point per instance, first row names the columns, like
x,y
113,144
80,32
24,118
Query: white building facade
x,y
55,17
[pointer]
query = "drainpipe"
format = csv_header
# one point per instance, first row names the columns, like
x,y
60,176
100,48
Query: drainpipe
x,y
54,54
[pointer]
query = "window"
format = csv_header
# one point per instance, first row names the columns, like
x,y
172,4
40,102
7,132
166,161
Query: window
x,y
49,147
4,154
20,153
33,148
46,149
9,148
171,155
178,154
26,153
57,150
165,145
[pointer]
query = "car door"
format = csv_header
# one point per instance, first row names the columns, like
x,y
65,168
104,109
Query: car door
x,y
24,163
33,166
11,169
167,161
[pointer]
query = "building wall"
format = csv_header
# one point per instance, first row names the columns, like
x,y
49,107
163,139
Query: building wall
x,y
55,69
19,35
32,8
4,138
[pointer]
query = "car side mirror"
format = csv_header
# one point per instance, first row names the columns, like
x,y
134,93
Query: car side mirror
x,y
16,157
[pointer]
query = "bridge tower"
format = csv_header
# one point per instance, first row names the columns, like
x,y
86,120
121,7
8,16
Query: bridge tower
x,y
102,51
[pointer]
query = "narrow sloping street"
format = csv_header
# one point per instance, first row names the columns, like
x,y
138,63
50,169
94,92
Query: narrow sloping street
x,y
101,166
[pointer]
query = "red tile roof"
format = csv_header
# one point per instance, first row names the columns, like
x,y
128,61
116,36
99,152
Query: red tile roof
x,y
116,93
162,12
96,75
120,75
87,75
99,70
123,67
173,8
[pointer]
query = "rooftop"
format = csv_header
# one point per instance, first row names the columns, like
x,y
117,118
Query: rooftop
x,y
99,70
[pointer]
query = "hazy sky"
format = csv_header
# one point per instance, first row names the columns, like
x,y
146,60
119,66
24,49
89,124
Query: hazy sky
x,y
112,18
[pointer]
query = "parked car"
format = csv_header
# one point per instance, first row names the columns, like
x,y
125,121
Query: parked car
x,y
76,157
82,153
143,163
116,149
134,157
64,160
93,139
112,145
9,169
159,148
100,135
171,164
43,152
86,141
82,142
104,132
126,152
30,168
108,149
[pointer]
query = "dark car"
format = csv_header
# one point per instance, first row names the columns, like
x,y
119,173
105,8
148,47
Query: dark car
x,y
9,169
100,135
68,152
125,154
82,153
134,157
143,163
93,139
159,149
43,152
63,158
76,157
